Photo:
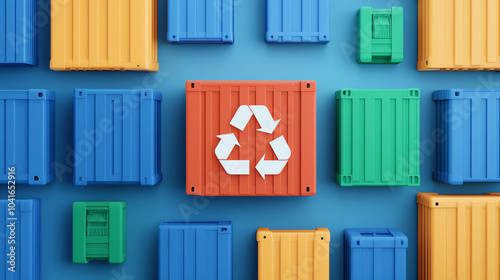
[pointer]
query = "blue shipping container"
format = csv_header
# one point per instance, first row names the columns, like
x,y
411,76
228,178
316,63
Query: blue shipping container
x,y
469,150
27,135
27,243
302,21
200,21
117,136
18,32
375,254
191,251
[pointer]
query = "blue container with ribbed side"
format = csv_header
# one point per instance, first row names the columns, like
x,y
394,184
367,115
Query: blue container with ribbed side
x,y
299,21
375,254
200,21
24,227
190,251
27,135
117,136
18,32
469,123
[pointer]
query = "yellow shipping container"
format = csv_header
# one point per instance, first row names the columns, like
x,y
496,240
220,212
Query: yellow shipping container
x,y
294,254
458,237
104,35
457,35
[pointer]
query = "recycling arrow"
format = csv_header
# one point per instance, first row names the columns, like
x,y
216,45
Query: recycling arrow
x,y
226,145
266,121
236,167
270,167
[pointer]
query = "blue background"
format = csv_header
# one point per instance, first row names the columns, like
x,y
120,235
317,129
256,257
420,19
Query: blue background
x,y
333,66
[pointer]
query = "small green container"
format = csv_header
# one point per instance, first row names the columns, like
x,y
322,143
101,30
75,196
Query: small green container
x,y
378,134
380,35
99,231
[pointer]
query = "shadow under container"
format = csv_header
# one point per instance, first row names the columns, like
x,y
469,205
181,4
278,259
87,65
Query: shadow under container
x,y
293,254
117,136
99,231
469,150
375,254
195,250
378,137
104,35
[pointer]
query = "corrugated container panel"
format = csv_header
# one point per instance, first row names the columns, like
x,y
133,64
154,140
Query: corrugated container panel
x,y
375,254
104,35
200,21
458,236
211,108
117,136
27,135
294,254
27,240
99,231
18,32
470,122
298,21
191,251
378,137
457,35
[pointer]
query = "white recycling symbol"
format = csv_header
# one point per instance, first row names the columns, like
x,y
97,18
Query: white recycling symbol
x,y
267,125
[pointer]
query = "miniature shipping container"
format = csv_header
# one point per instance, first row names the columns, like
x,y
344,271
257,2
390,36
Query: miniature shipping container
x,y
200,21
458,236
24,262
27,135
294,254
375,254
251,138
470,122
378,137
18,32
99,231
104,35
117,136
192,251
380,35
302,21
458,35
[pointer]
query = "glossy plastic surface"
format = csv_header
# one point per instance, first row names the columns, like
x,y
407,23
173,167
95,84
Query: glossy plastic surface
x,y
200,21
294,254
375,254
458,236
378,137
302,21
99,231
211,106
27,135
458,35
470,152
117,136
198,250
380,35
104,35
27,237
18,32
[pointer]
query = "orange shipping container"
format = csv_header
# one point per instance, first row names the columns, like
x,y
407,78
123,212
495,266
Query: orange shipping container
x,y
251,138
104,35
458,236
458,35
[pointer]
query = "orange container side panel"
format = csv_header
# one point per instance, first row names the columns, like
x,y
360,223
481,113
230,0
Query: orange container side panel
x,y
212,110
458,236
294,254
104,35
458,35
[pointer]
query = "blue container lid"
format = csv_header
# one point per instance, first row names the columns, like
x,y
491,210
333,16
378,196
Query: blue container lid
x,y
375,238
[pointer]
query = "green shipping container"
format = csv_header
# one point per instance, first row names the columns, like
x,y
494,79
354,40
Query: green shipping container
x,y
99,231
378,134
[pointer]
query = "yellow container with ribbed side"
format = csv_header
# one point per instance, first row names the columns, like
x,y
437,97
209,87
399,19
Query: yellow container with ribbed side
x,y
104,35
459,35
458,237
294,254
